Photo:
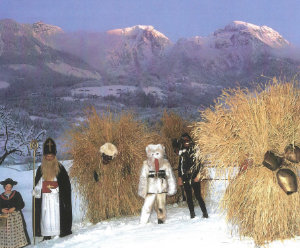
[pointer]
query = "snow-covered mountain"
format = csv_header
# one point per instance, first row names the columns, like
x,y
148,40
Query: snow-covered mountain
x,y
241,34
134,67
43,31
128,55
24,52
239,52
137,50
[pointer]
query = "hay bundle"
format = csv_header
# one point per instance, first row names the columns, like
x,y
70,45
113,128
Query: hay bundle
x,y
115,194
243,126
247,124
259,208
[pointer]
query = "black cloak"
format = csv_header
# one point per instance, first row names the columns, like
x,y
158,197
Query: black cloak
x,y
188,167
65,203
15,200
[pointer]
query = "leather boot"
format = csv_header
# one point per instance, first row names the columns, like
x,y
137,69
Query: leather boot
x,y
192,214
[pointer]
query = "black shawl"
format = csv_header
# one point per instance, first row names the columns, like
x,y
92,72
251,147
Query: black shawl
x,y
65,203
188,167
15,200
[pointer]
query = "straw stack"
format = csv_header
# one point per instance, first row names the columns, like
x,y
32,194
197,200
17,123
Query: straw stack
x,y
238,132
115,194
172,127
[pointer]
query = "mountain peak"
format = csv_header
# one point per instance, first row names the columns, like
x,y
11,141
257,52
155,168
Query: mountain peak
x,y
240,25
137,30
12,25
46,29
265,34
8,21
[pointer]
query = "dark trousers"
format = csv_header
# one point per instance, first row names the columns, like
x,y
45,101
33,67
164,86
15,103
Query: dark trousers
x,y
189,197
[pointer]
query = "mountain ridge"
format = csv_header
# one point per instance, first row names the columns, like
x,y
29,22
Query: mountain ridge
x,y
134,67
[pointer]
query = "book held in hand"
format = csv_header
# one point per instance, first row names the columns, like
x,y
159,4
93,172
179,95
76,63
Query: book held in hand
x,y
49,184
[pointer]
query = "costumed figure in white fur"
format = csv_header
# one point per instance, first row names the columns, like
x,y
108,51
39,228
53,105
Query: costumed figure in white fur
x,y
157,180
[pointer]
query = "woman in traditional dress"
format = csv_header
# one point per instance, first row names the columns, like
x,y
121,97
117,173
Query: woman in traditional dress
x,y
13,233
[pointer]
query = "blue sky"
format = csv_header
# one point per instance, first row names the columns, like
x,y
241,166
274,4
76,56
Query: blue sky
x,y
174,18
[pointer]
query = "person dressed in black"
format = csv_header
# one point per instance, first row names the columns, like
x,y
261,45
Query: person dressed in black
x,y
13,233
189,174
52,192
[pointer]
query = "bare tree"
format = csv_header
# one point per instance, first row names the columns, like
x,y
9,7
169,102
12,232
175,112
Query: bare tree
x,y
14,138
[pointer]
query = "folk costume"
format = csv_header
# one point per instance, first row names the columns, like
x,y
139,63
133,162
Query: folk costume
x,y
188,170
157,180
108,152
13,232
53,215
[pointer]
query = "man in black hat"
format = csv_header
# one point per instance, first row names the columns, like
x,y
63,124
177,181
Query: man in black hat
x,y
189,174
53,211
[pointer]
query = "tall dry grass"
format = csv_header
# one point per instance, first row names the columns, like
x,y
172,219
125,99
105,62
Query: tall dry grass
x,y
247,124
244,125
115,194
259,208
172,126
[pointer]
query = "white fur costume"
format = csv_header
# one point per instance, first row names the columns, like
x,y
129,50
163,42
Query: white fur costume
x,y
155,185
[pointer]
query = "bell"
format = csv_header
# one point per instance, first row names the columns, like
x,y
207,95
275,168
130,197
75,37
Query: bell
x,y
271,161
292,153
287,180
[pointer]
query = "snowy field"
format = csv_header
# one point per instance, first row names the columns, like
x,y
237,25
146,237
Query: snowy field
x,y
3,84
115,90
178,231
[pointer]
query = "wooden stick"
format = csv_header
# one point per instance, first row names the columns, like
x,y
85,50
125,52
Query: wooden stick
x,y
34,146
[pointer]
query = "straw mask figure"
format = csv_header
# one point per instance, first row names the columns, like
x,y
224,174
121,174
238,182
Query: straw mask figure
x,y
257,132
108,152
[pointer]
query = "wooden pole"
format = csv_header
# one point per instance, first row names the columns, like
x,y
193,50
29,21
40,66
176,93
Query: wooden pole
x,y
34,146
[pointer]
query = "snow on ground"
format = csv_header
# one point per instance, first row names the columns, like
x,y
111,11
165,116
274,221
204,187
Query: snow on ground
x,y
109,90
34,117
68,98
154,91
3,85
178,231
69,70
115,90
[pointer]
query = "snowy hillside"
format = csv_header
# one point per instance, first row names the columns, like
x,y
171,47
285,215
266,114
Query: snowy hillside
x,y
178,231
238,52
136,68
238,32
